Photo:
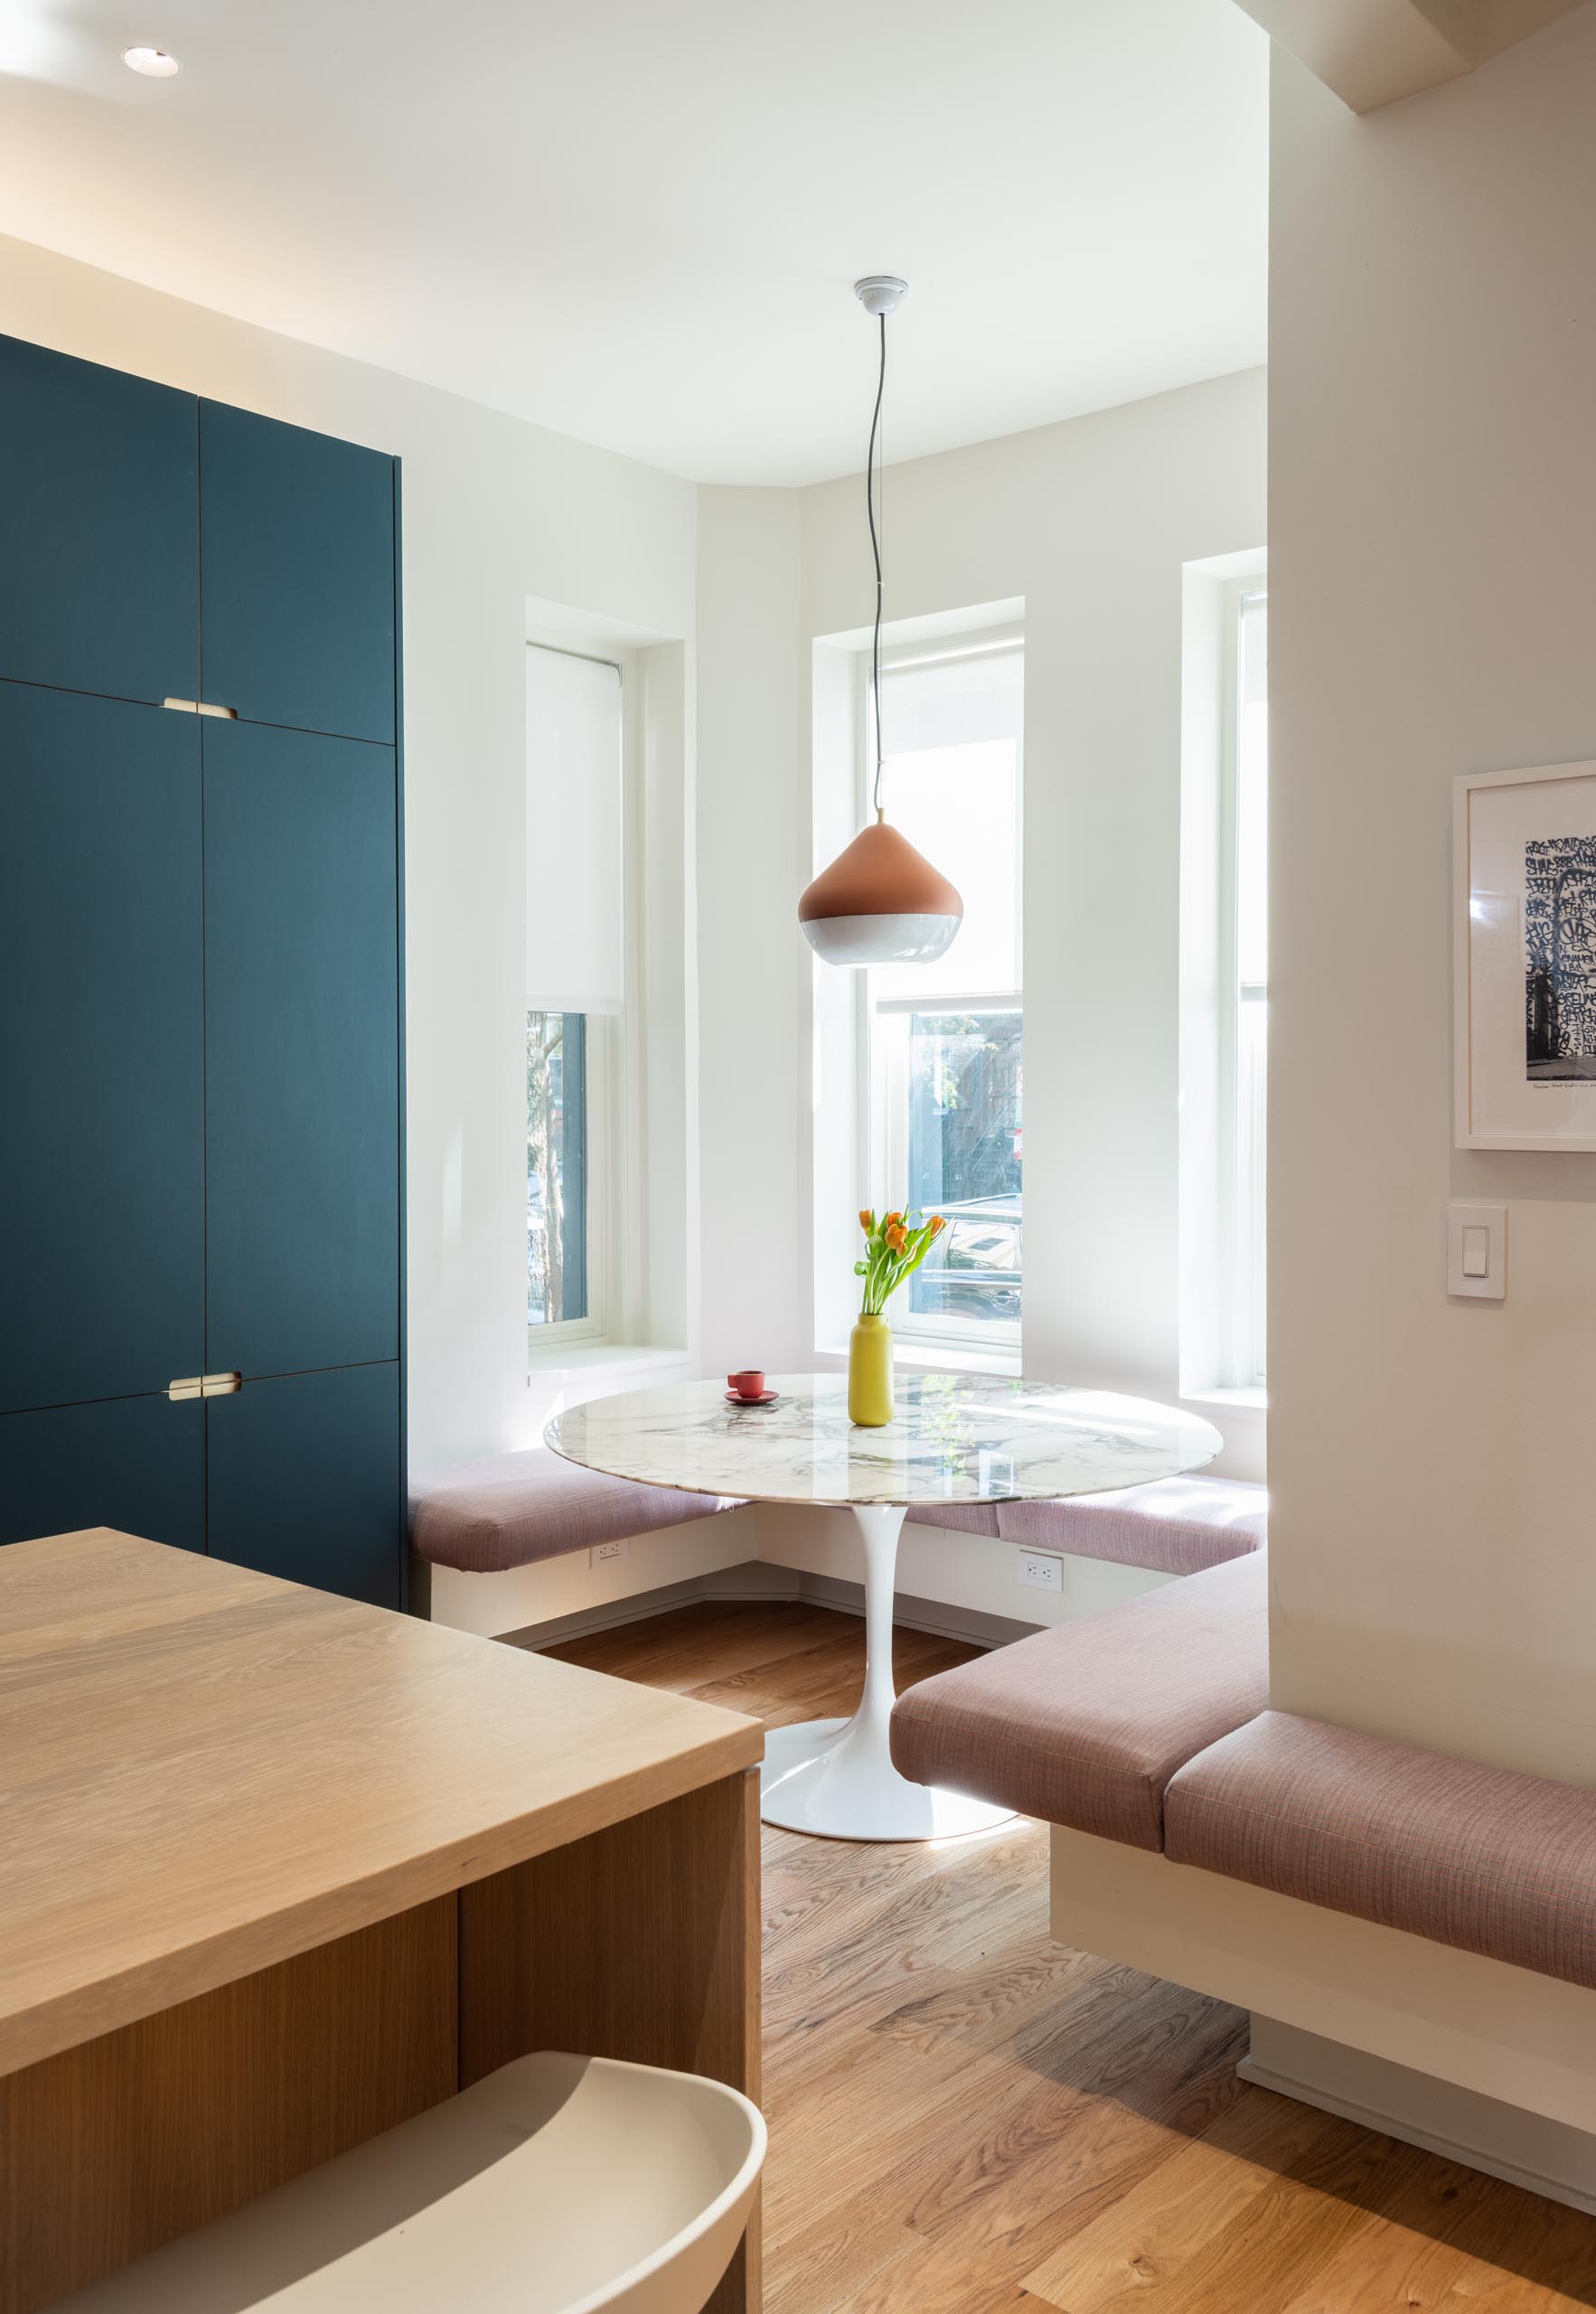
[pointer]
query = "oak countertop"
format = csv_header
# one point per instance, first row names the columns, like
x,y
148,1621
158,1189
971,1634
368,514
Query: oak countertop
x,y
203,1771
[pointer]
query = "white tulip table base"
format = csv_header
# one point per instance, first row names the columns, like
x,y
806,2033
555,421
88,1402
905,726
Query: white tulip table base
x,y
835,1777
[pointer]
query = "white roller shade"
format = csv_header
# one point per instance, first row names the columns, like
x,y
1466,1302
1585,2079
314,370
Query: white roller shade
x,y
574,869
962,701
951,783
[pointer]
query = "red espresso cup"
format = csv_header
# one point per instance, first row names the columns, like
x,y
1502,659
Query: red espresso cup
x,y
749,1384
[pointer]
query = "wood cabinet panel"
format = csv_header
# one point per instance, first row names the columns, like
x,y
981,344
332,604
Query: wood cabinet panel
x,y
639,1941
120,2145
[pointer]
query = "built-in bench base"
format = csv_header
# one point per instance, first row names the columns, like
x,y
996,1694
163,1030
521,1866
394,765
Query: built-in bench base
x,y
557,1600
526,1541
1499,1863
1430,1912
1522,2045
1526,2150
587,1590
1087,1723
513,1510
1149,1726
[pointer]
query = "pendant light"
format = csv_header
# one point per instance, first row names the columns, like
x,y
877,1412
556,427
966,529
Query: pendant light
x,y
880,902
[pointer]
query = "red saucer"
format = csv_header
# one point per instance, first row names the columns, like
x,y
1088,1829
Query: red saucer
x,y
763,1399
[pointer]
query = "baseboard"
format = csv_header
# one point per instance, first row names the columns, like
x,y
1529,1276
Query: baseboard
x,y
757,1579
749,1579
972,1625
635,1609
1544,2157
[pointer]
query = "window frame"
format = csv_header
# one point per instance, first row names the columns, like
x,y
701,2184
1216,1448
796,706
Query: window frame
x,y
1242,1332
882,1071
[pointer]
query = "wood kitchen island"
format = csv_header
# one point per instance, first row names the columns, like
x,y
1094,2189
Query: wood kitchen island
x,y
278,1871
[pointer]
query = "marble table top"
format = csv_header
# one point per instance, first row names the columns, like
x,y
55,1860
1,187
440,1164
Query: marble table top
x,y
955,1438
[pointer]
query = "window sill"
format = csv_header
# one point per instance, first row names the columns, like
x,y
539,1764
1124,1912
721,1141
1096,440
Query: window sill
x,y
597,1357
1228,1401
923,1358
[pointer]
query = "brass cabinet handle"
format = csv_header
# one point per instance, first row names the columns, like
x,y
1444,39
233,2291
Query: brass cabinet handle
x,y
204,1386
201,707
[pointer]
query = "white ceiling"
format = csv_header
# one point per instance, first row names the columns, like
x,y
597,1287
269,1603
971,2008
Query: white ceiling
x,y
638,221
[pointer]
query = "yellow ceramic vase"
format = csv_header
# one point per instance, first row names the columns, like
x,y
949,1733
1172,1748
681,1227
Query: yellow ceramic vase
x,y
869,1373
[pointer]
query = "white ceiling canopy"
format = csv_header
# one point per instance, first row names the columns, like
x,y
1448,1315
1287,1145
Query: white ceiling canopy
x,y
640,224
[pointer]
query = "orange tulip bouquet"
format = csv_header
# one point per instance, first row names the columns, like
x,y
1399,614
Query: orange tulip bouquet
x,y
894,1247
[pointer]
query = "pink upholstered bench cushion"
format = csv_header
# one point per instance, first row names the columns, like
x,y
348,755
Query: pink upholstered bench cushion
x,y
1175,1526
1085,1725
1498,1863
963,1518
1171,1526
484,1516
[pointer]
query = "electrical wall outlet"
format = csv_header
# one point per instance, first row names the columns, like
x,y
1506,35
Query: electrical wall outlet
x,y
604,1554
1041,1570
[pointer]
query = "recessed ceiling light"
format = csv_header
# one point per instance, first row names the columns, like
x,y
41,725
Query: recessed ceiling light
x,y
153,63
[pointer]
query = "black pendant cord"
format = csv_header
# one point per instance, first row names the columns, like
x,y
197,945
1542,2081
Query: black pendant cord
x,y
876,551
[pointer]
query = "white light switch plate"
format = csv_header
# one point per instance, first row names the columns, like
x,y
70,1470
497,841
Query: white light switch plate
x,y
1473,1231
1041,1570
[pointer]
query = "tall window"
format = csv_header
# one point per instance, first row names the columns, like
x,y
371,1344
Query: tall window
x,y
1244,995
575,979
946,1040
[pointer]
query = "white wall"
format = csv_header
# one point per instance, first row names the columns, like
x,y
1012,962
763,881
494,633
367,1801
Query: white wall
x,y
495,512
751,957
1090,522
1433,590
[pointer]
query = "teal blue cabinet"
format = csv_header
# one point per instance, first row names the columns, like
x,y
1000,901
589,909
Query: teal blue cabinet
x,y
298,535
200,974
134,1464
99,516
302,1475
302,1033
102,1060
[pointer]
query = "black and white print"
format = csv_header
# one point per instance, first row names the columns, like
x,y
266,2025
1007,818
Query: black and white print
x,y
1559,959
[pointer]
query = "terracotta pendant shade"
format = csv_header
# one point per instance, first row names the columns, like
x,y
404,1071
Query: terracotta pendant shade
x,y
880,902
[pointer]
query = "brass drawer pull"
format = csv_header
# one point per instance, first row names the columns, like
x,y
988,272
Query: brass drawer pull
x,y
201,707
204,1386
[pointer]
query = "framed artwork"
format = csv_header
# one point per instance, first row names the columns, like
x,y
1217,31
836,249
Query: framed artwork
x,y
1525,974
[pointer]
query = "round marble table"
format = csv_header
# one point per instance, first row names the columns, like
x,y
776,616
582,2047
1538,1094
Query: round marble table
x,y
955,1438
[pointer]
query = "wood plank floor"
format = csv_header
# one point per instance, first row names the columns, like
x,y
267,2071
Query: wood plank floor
x,y
968,2119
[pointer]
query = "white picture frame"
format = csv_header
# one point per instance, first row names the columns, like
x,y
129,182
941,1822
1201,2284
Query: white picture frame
x,y
1524,959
